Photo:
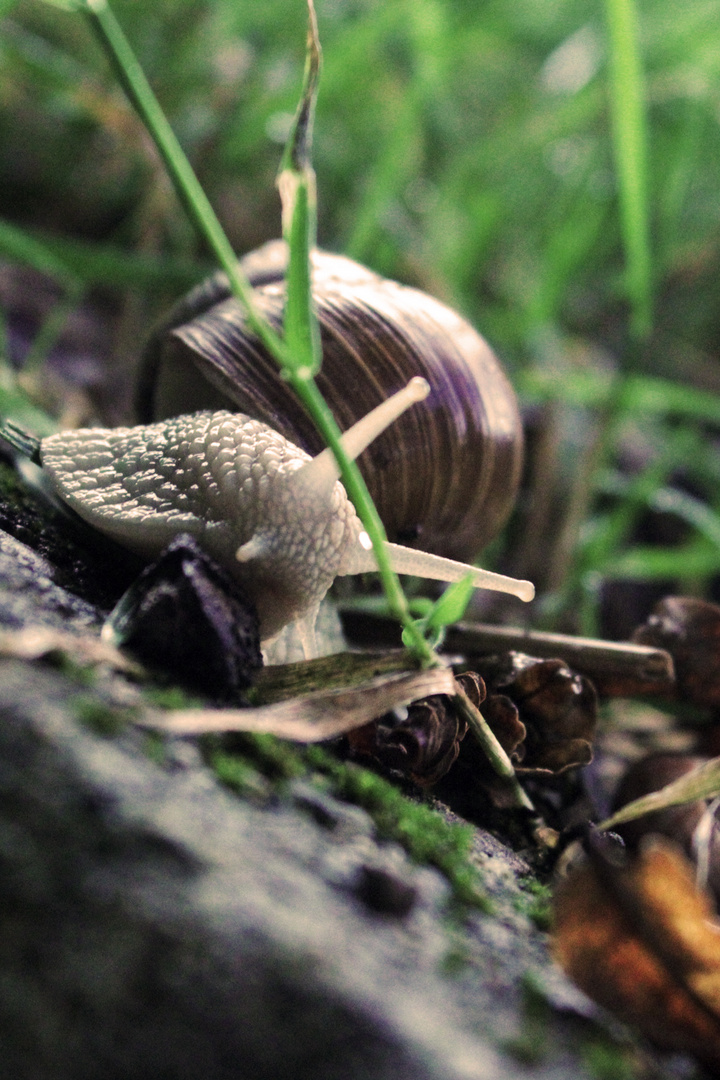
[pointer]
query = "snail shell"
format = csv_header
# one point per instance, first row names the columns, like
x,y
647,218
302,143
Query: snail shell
x,y
444,477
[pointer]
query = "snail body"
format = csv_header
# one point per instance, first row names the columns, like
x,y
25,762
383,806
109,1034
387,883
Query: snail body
x,y
278,520
445,477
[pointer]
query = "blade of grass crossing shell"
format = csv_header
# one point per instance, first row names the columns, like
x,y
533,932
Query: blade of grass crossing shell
x,y
299,225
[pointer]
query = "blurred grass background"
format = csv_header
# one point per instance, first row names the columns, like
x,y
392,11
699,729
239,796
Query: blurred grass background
x,y
471,149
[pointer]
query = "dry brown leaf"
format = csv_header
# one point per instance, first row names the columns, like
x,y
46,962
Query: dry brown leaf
x,y
639,937
313,717
503,717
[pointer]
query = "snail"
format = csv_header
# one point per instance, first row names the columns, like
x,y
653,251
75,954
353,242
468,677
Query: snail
x,y
277,520
445,477
271,514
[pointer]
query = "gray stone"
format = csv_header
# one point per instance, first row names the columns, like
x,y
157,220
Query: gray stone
x,y
29,593
154,925
157,926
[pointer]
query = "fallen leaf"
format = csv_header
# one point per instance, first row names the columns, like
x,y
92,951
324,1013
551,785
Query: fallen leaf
x,y
277,682
691,824
638,936
700,782
503,717
313,717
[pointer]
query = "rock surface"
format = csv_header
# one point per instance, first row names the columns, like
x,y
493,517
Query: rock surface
x,y
156,925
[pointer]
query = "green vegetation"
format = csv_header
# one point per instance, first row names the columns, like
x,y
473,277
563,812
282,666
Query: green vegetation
x,y
272,757
609,1061
532,1045
535,902
423,832
99,716
478,151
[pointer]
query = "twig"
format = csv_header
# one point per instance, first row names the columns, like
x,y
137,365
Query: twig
x,y
616,667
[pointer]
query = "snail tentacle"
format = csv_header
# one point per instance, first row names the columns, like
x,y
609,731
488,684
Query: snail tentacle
x,y
406,560
322,471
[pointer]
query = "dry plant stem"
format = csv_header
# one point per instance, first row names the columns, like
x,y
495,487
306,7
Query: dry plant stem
x,y
497,757
314,717
593,657
281,681
561,553
344,669
540,520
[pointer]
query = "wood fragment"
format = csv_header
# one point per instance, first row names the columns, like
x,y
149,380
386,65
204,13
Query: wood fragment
x,y
276,682
617,668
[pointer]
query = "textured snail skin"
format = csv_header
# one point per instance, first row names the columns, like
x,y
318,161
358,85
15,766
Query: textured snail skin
x,y
277,520
223,478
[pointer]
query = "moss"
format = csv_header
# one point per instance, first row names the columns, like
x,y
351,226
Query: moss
x,y
155,747
98,716
240,776
531,1045
606,1060
279,761
455,960
171,697
424,833
535,902
81,674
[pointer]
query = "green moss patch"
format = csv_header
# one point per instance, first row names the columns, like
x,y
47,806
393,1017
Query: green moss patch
x,y
422,831
98,716
535,902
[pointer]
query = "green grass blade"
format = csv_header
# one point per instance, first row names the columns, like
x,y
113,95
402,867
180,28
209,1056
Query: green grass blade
x,y
697,559
296,183
189,190
630,148
639,395
133,81
702,782
20,247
